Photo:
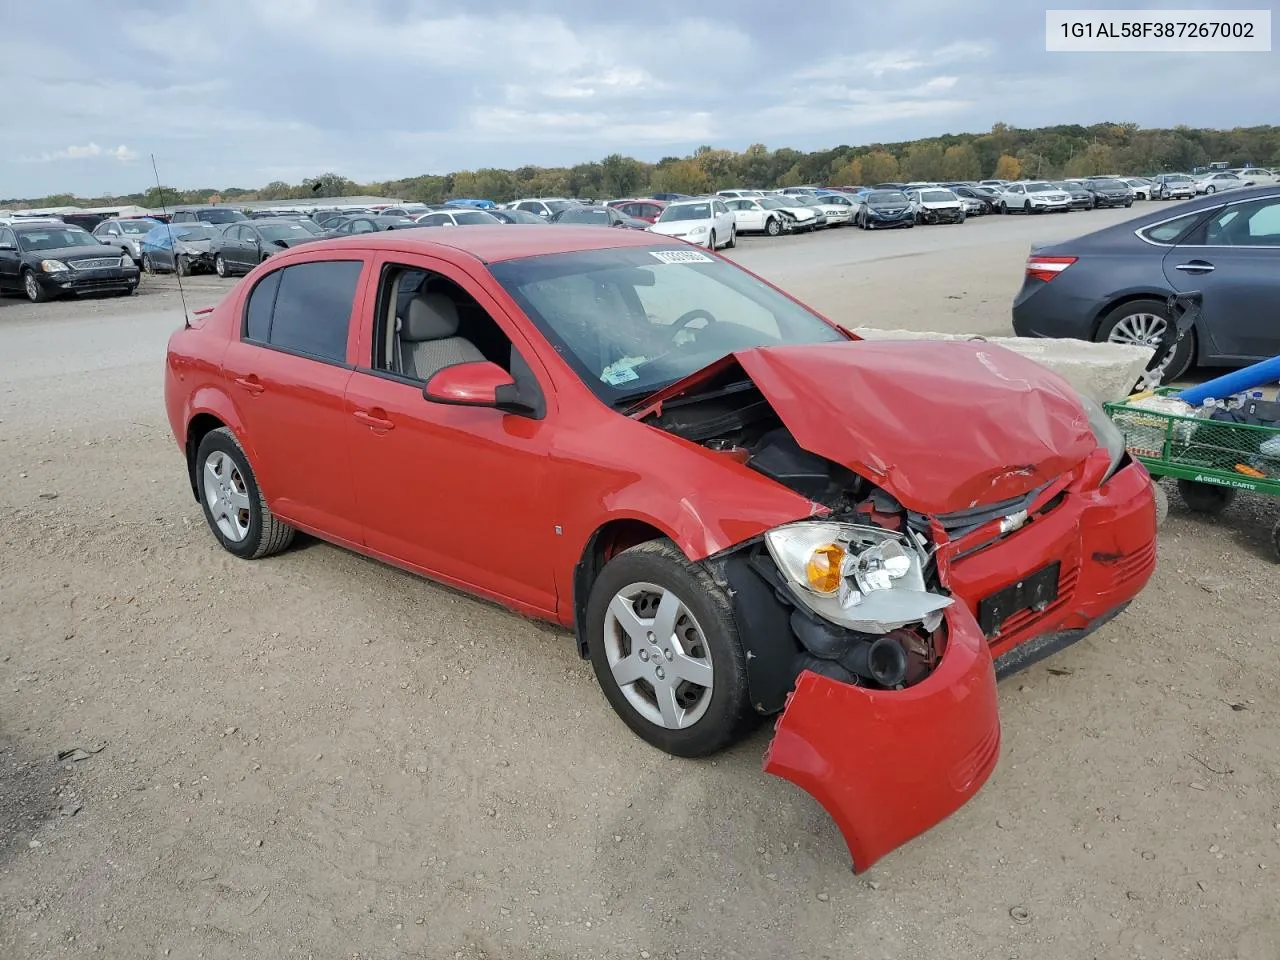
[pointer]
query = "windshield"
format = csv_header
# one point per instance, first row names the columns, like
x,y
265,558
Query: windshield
x,y
686,211
1040,187
136,228
1108,185
189,232
283,231
54,237
937,196
475,218
886,196
584,215
633,320
770,203
555,206
221,216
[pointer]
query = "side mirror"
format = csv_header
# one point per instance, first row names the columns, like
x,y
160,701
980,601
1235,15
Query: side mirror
x,y
7,246
478,383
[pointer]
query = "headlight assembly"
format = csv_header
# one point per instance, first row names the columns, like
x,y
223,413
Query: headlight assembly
x,y
53,266
865,578
1108,435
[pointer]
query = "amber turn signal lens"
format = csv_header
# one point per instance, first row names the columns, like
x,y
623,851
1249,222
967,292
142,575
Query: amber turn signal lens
x,y
823,568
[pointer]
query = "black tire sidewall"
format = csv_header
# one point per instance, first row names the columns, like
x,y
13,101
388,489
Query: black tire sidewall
x,y
221,440
1205,498
1183,355
730,701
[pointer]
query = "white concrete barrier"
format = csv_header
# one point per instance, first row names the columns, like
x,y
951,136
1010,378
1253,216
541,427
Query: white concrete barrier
x,y
1104,371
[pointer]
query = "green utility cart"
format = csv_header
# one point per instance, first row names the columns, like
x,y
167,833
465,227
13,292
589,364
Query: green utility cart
x,y
1211,459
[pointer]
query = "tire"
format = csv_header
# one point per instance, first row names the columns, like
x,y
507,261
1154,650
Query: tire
x,y
711,241
147,266
1004,208
1128,204
726,713
183,265
31,287
961,218
1210,189
220,267
1162,501
772,227
1182,357
258,532
733,238
1205,497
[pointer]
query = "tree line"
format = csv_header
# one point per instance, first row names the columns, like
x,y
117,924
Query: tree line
x,y
1004,152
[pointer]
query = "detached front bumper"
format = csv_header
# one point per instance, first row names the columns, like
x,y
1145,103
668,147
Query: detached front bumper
x,y
889,764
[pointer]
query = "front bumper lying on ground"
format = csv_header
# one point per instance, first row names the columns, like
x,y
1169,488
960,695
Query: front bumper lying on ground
x,y
889,764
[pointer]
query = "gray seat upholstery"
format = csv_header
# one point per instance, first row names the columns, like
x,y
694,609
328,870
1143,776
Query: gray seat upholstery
x,y
429,340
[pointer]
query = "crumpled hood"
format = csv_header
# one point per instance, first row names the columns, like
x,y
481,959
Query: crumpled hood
x,y
941,425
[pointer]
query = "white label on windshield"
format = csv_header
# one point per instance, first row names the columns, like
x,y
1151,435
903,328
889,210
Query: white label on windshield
x,y
617,375
681,256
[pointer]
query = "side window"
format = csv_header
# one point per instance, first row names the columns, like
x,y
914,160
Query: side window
x,y
426,321
529,207
720,207
1254,224
306,308
7,238
435,220
364,226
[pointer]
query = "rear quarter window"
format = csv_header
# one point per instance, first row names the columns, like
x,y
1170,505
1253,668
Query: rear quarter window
x,y
1171,231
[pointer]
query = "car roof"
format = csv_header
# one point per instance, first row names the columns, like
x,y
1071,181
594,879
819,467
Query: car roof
x,y
34,224
494,244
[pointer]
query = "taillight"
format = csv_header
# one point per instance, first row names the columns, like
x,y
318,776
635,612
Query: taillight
x,y
1046,268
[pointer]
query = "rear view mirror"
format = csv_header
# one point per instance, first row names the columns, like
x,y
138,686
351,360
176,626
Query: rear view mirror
x,y
478,383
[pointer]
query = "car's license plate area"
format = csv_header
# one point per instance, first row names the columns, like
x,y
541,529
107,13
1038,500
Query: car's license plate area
x,y
1033,592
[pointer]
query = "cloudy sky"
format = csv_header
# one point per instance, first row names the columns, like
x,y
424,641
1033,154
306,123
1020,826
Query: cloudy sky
x,y
231,93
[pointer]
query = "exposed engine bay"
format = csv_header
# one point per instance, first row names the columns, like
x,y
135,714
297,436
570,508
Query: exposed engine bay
x,y
859,593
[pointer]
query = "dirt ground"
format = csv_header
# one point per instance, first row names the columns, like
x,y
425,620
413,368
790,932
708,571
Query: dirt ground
x,y
318,756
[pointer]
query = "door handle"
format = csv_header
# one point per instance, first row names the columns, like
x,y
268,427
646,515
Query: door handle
x,y
1195,266
376,419
251,383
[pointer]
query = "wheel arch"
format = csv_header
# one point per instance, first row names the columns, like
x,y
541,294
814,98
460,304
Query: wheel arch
x,y
607,541
210,410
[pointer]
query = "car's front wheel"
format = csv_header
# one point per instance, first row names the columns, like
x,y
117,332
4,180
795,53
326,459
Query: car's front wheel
x,y
773,227
234,507
665,649
711,241
31,286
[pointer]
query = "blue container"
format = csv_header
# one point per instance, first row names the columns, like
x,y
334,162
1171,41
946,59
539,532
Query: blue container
x,y
1268,371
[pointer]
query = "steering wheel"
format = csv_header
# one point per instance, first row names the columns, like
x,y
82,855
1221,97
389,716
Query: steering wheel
x,y
688,317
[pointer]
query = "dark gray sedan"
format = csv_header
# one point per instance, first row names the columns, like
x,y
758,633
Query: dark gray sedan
x,y
1111,285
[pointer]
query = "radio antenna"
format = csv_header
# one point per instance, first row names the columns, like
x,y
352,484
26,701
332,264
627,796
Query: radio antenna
x,y
186,319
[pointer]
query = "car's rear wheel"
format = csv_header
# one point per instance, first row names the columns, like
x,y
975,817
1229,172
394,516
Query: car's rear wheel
x,y
1145,323
1205,498
220,266
31,287
234,507
665,650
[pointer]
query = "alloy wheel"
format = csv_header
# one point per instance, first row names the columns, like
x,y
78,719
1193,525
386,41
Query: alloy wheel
x,y
227,496
1143,330
658,655
32,286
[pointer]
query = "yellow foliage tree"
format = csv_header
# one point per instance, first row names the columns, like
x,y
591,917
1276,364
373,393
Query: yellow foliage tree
x,y
879,166
683,176
1008,168
960,162
846,174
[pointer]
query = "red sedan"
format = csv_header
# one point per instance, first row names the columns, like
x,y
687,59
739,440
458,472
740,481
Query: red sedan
x,y
738,508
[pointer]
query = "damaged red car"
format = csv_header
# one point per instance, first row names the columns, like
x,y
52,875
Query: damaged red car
x,y
739,508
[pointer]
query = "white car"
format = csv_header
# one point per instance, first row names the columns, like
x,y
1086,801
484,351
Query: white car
x,y
1219,181
936,205
758,215
737,194
848,204
1142,189
1034,196
461,217
545,207
1258,175
705,221
1174,186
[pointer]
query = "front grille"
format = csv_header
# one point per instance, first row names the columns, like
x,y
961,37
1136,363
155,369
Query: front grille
x,y
966,521
97,263
1137,564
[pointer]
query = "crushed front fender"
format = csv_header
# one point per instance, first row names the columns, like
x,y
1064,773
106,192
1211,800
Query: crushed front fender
x,y
889,764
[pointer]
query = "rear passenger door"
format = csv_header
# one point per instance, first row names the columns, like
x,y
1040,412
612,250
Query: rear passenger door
x,y
287,374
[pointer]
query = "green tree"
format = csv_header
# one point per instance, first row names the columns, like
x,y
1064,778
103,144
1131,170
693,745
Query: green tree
x,y
960,162
1097,158
922,162
622,176
683,176
879,166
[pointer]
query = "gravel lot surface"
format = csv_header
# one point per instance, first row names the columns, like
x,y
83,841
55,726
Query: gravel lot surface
x,y
318,756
